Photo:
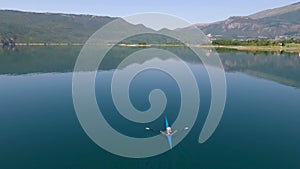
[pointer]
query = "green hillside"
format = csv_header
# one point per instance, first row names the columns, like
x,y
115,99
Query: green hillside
x,y
48,27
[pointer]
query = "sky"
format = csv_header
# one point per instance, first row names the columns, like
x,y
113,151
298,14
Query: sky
x,y
196,11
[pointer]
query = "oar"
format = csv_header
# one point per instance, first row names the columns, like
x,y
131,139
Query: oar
x,y
186,128
151,129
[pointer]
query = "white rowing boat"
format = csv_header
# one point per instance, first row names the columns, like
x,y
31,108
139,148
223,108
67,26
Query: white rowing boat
x,y
167,134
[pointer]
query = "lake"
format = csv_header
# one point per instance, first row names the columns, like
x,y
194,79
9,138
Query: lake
x,y
39,127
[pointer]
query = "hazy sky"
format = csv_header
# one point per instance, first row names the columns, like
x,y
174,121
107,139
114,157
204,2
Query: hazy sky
x,y
196,11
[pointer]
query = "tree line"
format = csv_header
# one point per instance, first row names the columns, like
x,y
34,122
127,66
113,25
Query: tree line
x,y
227,42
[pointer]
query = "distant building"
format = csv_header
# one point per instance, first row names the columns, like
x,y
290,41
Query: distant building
x,y
209,35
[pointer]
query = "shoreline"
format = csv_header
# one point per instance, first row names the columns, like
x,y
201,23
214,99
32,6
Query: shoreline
x,y
290,48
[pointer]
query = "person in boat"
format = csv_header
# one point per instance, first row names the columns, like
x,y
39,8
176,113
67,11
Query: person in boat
x,y
169,130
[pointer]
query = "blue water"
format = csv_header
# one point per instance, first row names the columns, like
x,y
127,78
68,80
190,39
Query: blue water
x,y
39,128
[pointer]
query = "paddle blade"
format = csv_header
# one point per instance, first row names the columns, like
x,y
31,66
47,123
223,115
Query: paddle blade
x,y
170,141
166,122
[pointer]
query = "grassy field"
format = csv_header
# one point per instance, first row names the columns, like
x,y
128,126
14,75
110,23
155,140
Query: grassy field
x,y
291,49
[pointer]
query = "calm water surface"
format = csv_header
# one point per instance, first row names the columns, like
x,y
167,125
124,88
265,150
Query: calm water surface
x,y
39,128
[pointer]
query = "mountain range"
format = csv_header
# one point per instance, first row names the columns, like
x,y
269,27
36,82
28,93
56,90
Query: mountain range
x,y
279,23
